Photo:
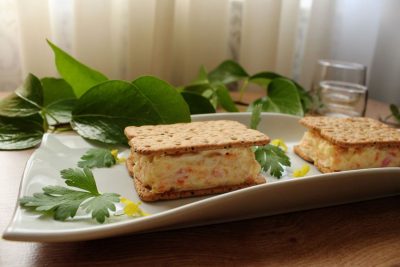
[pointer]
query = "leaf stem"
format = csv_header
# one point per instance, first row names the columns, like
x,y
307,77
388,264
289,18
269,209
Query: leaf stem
x,y
243,88
45,122
387,117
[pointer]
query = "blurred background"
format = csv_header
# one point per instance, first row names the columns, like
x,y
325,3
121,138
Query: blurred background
x,y
171,39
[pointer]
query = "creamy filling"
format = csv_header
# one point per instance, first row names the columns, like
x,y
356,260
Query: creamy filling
x,y
339,158
201,170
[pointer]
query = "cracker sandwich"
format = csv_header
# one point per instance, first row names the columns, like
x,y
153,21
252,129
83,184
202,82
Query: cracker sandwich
x,y
192,159
339,144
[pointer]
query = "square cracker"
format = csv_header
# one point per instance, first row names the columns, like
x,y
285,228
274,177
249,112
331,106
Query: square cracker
x,y
357,131
192,137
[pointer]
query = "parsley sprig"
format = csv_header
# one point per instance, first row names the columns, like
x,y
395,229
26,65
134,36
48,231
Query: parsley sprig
x,y
97,158
100,158
63,202
270,157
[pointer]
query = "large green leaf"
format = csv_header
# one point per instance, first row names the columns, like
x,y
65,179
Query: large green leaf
x,y
164,99
78,75
224,98
282,98
197,88
198,104
55,89
105,110
263,78
227,72
59,100
20,132
25,101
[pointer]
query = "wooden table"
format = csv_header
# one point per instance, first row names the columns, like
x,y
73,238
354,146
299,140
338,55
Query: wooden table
x,y
360,234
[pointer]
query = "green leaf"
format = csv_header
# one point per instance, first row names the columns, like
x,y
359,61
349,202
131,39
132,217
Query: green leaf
x,y
284,95
395,112
198,104
305,97
100,206
64,202
202,77
306,100
104,111
164,99
55,89
20,132
255,116
78,75
224,98
60,201
97,157
25,101
282,98
227,72
59,100
60,112
197,88
272,158
264,78
211,95
80,178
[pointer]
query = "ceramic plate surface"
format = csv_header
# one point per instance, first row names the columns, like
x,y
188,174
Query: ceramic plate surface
x,y
288,194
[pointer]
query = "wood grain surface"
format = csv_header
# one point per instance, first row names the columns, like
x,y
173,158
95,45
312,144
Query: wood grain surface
x,y
359,234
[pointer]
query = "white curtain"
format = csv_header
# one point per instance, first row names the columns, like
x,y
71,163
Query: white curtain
x,y
171,38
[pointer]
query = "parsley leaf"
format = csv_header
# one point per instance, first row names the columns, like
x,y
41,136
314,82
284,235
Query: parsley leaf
x,y
97,158
82,179
272,158
63,202
100,206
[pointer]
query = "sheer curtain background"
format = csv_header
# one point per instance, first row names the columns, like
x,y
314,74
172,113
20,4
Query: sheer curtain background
x,y
171,39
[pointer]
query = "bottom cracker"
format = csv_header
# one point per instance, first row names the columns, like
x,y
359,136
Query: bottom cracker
x,y
302,155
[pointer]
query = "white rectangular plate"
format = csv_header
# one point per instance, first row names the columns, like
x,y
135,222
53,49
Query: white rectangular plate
x,y
288,194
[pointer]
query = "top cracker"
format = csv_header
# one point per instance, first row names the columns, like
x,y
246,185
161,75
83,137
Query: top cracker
x,y
192,137
353,131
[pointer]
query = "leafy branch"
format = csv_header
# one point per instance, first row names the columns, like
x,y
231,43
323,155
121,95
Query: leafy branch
x,y
95,107
282,94
99,109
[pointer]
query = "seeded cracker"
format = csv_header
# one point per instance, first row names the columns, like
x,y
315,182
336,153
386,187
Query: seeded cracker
x,y
353,131
192,137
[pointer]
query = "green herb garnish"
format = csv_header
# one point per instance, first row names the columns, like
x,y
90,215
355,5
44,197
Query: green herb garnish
x,y
63,202
270,157
97,158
